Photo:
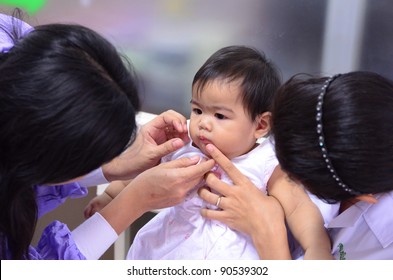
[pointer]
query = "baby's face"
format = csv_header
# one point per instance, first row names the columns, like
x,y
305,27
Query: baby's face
x,y
218,117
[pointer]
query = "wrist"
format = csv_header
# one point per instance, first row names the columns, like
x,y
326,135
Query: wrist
x,y
122,211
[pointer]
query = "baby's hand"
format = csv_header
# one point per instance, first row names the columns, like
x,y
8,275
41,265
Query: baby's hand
x,y
96,204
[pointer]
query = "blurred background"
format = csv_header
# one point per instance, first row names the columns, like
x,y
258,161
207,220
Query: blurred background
x,y
168,40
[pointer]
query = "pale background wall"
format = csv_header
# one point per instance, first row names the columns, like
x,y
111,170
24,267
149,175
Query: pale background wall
x,y
168,40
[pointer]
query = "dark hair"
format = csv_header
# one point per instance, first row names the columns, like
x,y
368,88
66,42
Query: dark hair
x,y
357,123
260,78
67,105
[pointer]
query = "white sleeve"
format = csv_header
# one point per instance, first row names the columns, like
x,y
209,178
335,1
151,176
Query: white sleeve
x,y
94,237
94,178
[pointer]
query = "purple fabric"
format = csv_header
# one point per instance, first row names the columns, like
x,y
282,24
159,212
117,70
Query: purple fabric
x,y
50,197
6,24
56,243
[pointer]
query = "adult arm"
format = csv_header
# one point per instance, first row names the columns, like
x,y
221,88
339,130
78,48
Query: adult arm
x,y
303,217
246,209
161,186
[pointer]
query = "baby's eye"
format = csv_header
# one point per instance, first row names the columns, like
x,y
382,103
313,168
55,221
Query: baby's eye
x,y
197,111
220,116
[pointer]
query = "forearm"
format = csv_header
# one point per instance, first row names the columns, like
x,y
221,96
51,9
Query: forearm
x,y
124,209
318,250
271,242
162,186
302,215
306,224
313,238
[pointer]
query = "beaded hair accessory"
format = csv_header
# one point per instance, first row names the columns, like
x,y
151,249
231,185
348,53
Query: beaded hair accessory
x,y
321,137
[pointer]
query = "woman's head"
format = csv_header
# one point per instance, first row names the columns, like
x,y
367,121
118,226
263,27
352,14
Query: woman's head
x,y
67,105
357,119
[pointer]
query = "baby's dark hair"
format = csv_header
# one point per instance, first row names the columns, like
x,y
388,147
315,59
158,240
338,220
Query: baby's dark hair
x,y
259,77
357,126
67,105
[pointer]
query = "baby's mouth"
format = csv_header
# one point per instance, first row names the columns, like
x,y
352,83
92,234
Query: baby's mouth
x,y
204,140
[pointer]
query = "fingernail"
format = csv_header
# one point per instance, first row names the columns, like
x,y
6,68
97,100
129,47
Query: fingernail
x,y
209,148
177,143
195,158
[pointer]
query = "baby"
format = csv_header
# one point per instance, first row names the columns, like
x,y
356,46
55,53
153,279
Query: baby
x,y
231,97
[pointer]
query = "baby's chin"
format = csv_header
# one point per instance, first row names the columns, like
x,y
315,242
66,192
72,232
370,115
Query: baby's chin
x,y
202,147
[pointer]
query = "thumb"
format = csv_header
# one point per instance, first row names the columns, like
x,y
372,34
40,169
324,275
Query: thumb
x,y
169,147
183,162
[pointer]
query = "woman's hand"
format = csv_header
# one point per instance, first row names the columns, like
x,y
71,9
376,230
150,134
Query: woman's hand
x,y
168,183
246,209
157,138
161,186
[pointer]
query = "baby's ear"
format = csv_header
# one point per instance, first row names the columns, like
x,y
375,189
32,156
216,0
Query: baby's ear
x,y
263,125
